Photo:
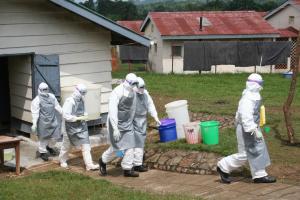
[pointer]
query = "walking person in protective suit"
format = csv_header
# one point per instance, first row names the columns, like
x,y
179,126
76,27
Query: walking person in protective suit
x,y
144,105
251,144
75,128
121,111
44,121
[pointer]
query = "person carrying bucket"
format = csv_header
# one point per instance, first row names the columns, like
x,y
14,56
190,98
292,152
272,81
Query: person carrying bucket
x,y
144,104
251,144
121,111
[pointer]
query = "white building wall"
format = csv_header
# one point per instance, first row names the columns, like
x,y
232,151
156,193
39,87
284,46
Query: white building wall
x,y
155,57
40,27
281,18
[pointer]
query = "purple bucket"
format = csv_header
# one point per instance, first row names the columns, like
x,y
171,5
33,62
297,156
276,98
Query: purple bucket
x,y
167,130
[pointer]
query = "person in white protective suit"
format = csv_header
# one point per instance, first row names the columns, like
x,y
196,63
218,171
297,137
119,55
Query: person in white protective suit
x,y
251,144
75,128
44,121
144,104
121,111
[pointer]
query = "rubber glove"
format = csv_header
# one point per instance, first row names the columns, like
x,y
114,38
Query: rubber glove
x,y
258,134
33,128
157,121
117,135
82,118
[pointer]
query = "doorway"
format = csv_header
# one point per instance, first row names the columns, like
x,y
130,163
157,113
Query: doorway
x,y
5,115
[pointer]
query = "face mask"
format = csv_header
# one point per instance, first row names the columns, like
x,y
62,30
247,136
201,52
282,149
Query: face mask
x,y
135,89
141,90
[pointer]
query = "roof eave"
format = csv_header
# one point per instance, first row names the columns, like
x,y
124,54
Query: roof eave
x,y
282,6
102,21
144,24
191,37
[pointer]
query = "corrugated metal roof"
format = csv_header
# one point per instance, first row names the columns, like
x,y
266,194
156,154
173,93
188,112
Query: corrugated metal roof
x,y
289,32
102,21
132,25
221,23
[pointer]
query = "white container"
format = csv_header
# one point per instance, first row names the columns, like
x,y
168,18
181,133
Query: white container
x,y
92,99
179,111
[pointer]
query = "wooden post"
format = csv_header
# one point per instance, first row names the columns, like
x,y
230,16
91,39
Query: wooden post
x,y
129,66
17,152
172,57
2,157
289,100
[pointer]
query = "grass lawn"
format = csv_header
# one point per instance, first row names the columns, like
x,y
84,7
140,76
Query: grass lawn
x,y
219,94
66,185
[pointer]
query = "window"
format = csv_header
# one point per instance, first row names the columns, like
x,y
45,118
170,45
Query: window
x,y
155,48
152,28
291,19
176,51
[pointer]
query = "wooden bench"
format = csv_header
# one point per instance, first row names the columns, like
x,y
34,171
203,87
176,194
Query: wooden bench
x,y
7,143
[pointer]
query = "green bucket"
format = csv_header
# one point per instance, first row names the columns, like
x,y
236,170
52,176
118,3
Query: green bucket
x,y
210,132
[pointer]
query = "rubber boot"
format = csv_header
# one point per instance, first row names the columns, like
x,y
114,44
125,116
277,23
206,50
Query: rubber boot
x,y
87,157
141,168
52,151
131,173
102,167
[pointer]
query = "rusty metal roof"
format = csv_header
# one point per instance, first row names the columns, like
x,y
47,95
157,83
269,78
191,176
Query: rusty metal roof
x,y
132,25
216,23
289,32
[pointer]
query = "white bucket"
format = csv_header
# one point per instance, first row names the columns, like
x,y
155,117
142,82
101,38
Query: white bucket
x,y
192,132
179,111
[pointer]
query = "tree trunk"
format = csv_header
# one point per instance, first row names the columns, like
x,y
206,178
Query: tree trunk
x,y
287,104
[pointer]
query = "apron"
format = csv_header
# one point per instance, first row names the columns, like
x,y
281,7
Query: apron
x,y
126,111
257,152
47,125
140,120
78,131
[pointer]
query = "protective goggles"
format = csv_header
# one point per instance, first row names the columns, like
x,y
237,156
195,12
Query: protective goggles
x,y
261,83
45,90
82,92
132,83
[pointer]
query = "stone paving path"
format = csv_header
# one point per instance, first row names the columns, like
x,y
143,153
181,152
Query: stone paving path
x,y
205,186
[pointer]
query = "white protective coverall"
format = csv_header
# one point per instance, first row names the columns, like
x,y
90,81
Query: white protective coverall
x,y
44,120
251,145
144,106
121,110
75,130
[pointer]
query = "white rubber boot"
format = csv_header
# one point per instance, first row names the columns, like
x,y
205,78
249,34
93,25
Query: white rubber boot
x,y
87,157
63,157
64,151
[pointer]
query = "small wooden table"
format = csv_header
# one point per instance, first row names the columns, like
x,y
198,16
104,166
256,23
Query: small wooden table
x,y
7,143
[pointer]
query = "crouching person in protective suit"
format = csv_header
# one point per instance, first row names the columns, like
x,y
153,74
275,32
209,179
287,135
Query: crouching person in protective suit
x,y
75,128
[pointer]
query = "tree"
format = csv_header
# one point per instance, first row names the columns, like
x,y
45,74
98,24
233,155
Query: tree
x,y
289,100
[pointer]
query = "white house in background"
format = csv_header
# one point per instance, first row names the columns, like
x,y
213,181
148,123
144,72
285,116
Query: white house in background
x,y
286,15
169,30
56,41
286,18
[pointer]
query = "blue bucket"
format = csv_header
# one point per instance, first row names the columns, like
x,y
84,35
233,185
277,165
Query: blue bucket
x,y
167,130
287,74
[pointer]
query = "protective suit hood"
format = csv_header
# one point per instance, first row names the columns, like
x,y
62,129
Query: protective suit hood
x,y
253,87
43,89
141,85
130,82
79,92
